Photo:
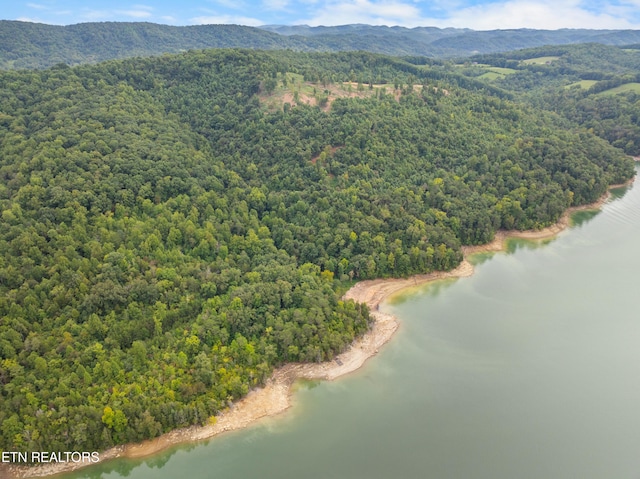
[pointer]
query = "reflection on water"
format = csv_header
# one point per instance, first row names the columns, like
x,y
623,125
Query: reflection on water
x,y
528,369
149,466
428,289
618,193
306,384
580,218
479,258
515,244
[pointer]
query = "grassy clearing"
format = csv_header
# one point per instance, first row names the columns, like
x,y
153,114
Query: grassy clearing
x,y
584,84
494,73
490,76
502,71
292,89
539,60
627,87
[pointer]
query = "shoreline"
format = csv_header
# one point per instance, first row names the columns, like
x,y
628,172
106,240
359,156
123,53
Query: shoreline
x,y
276,396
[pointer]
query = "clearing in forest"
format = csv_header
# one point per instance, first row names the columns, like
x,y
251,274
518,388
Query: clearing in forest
x,y
290,88
627,87
584,84
539,60
494,73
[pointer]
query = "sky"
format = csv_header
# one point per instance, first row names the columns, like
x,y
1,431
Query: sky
x,y
475,14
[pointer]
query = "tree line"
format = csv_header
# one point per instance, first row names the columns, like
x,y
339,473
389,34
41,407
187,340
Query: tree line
x,y
165,241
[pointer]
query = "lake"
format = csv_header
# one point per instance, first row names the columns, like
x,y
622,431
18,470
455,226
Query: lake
x,y
528,369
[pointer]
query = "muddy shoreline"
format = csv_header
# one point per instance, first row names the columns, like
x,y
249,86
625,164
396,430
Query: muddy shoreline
x,y
276,396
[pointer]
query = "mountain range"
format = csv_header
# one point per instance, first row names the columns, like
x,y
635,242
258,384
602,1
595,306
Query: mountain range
x,y
33,45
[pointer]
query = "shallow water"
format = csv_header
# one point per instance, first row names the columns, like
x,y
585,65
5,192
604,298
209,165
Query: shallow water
x,y
528,369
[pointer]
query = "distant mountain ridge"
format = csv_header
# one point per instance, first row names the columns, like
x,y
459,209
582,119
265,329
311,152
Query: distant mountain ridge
x,y
33,45
362,29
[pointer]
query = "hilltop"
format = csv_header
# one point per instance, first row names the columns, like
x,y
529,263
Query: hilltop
x,y
174,228
31,45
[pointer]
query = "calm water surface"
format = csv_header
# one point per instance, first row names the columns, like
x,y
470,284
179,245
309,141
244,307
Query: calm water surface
x,y
528,369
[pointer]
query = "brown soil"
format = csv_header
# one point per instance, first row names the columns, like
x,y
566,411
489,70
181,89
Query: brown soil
x,y
335,91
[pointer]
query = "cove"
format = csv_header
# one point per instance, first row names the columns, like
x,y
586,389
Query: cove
x,y
528,369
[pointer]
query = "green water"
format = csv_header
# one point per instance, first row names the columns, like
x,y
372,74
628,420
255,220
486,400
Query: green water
x,y
528,369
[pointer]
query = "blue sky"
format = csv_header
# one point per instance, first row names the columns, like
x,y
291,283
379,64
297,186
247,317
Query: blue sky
x,y
476,14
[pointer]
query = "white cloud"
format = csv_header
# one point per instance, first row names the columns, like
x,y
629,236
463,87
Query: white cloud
x,y
45,10
275,4
95,15
546,14
233,4
134,13
137,11
504,14
226,19
365,11
496,14
30,20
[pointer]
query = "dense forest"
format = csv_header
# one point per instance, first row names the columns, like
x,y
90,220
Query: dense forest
x,y
167,239
36,45
594,86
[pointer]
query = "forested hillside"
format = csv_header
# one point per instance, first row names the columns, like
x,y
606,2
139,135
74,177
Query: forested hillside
x,y
166,239
35,45
594,86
